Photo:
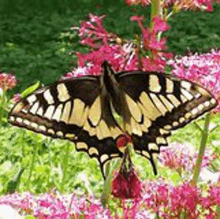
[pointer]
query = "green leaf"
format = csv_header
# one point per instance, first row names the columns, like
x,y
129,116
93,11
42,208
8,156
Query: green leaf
x,y
14,182
30,89
29,217
175,177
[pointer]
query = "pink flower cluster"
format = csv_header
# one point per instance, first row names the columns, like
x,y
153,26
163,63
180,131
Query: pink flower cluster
x,y
179,157
7,81
121,54
177,4
189,4
137,2
103,46
155,60
166,200
54,205
183,200
200,68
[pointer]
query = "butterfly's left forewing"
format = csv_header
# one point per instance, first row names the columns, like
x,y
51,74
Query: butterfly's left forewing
x,y
73,109
57,110
158,104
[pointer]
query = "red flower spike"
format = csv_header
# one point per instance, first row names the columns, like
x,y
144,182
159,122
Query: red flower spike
x,y
126,188
125,183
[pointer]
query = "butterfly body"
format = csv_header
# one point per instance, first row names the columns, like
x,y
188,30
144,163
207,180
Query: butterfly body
x,y
82,110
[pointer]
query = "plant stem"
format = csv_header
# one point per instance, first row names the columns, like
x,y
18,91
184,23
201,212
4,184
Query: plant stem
x,y
155,9
64,167
201,150
198,127
2,105
218,211
107,186
32,166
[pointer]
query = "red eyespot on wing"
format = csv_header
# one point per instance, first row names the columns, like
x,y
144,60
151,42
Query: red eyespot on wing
x,y
122,141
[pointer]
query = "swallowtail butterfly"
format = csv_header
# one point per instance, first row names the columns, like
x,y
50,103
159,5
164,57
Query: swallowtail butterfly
x,y
150,104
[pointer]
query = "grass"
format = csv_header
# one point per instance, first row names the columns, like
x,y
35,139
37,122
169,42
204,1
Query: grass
x,y
34,47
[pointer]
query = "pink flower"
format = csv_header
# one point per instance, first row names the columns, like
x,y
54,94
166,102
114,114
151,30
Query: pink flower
x,y
188,5
170,201
125,188
137,18
180,158
7,81
136,2
125,184
155,61
177,5
123,56
16,98
177,157
153,64
214,194
159,24
157,45
165,200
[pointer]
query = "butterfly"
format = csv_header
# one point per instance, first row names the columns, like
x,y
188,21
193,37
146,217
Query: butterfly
x,y
83,109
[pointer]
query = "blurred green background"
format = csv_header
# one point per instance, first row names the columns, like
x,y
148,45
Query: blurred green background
x,y
36,42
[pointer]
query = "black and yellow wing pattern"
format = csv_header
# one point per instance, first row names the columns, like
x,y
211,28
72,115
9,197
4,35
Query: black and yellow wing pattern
x,y
81,110
159,104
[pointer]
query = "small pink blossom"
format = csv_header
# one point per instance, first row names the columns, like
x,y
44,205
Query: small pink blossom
x,y
137,2
157,45
181,158
177,5
16,97
171,201
159,24
7,81
137,18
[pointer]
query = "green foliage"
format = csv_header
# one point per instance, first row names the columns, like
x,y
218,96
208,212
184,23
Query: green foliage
x,y
37,46
197,31
45,164
29,217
